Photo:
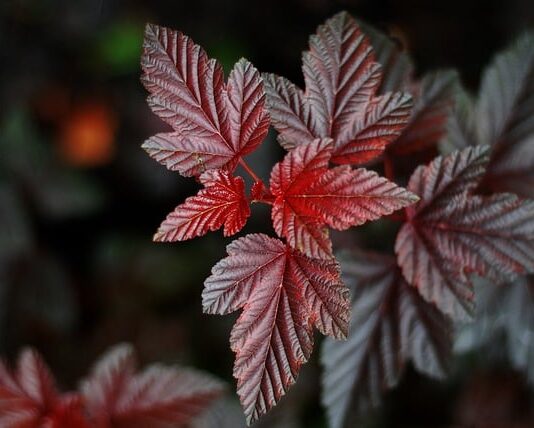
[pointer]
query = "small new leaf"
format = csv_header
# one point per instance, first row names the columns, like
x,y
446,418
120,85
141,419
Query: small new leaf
x,y
222,202
215,124
451,232
283,294
309,196
340,102
390,325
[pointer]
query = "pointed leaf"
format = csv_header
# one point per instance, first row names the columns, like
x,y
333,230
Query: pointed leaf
x,y
310,196
159,397
215,124
397,67
434,99
451,233
505,118
390,325
283,293
342,79
28,395
222,202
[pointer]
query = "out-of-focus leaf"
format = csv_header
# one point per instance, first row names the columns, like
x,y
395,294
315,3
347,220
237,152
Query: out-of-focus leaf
x,y
504,309
224,413
391,324
157,397
461,126
502,117
397,67
434,98
451,232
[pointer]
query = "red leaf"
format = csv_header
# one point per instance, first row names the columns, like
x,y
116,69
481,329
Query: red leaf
x,y
451,232
68,414
310,196
158,397
283,293
390,325
340,102
397,67
28,397
215,124
434,99
222,202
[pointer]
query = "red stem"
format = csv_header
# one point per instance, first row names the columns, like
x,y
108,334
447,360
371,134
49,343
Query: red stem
x,y
249,170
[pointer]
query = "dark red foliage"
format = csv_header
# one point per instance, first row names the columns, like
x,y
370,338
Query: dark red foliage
x,y
114,396
222,202
352,111
340,102
215,124
391,324
451,232
502,117
309,196
284,289
158,397
283,294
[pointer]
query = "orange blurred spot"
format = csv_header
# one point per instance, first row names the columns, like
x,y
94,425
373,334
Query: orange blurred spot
x,y
87,136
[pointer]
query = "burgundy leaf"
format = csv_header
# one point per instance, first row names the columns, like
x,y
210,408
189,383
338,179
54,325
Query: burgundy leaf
x,y
397,67
451,232
310,196
283,293
390,325
29,399
342,79
158,397
505,118
222,202
214,124
434,99
461,131
68,414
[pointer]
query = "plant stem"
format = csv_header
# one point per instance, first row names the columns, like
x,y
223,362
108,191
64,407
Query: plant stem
x,y
249,170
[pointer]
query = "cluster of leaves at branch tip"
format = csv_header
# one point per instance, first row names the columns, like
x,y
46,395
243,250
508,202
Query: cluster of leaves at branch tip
x,y
112,396
353,112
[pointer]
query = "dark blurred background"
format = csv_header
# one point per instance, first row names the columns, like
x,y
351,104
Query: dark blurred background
x,y
80,200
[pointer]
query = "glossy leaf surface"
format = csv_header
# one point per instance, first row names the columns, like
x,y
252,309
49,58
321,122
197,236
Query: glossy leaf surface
x,y
283,294
340,102
222,202
214,123
309,196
